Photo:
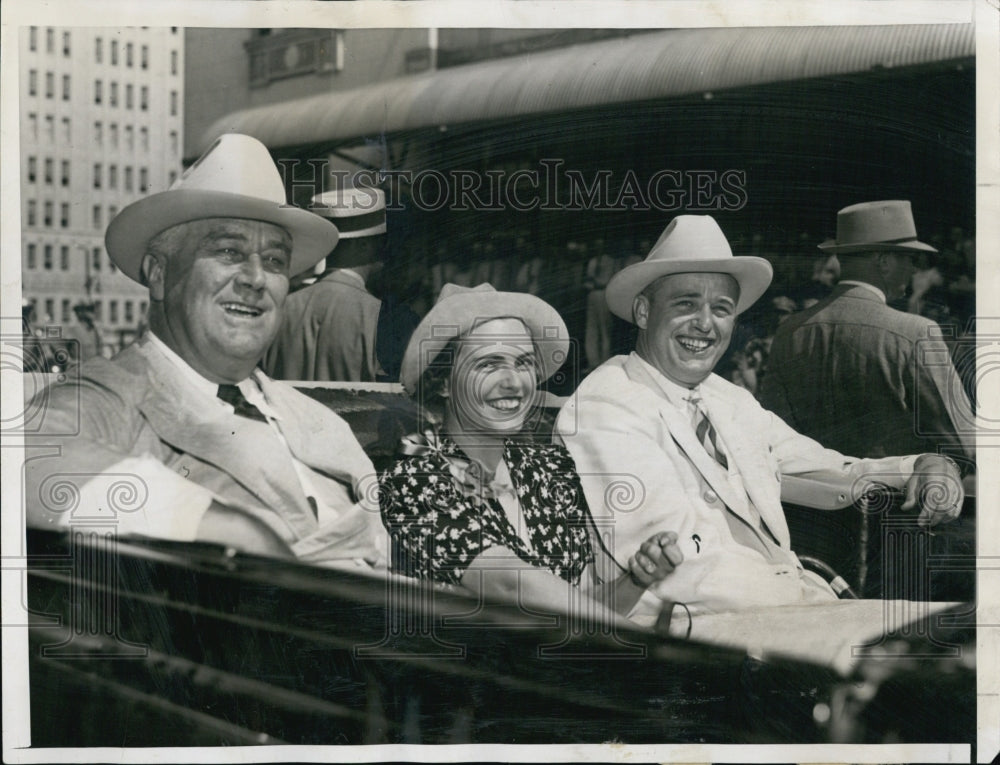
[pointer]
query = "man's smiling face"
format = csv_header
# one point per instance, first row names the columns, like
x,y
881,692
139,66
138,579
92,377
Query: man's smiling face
x,y
685,324
222,290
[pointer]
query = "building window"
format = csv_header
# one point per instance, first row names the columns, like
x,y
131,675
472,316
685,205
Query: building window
x,y
144,98
114,135
48,214
143,179
97,175
113,311
113,176
33,38
112,213
65,311
145,57
142,309
50,85
113,95
64,174
48,171
64,214
33,82
64,258
32,169
33,125
65,89
99,310
98,91
173,142
128,54
144,137
97,216
99,133
47,259
50,128
114,53
95,259
66,44
128,96
129,311
98,49
32,263
50,40
173,103
50,308
66,134
129,137
32,212
128,178
173,62
173,177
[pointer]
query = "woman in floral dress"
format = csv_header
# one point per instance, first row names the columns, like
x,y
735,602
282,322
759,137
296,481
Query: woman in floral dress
x,y
476,501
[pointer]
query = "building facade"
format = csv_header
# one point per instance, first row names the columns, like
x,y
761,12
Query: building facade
x,y
101,119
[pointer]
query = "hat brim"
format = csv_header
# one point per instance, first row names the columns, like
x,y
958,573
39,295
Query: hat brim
x,y
753,274
128,234
831,246
456,315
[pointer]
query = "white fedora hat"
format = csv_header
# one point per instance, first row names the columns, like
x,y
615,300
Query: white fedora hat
x,y
458,309
689,244
884,225
235,178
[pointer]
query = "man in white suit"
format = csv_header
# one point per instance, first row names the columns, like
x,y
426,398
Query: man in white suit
x,y
661,443
180,436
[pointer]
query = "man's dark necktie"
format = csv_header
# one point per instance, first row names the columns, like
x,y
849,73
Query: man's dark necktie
x,y
706,433
232,395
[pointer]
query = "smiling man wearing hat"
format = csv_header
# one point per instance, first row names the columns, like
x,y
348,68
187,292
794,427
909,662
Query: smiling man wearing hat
x,y
328,329
857,375
210,447
663,444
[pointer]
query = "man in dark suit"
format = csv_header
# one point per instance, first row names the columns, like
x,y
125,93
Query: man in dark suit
x,y
181,436
861,377
328,329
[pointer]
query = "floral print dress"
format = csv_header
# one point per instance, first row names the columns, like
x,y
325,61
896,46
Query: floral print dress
x,y
442,510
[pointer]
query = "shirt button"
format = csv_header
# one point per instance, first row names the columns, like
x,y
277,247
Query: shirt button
x,y
710,496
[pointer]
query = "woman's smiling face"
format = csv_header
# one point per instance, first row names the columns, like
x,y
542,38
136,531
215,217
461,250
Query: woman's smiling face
x,y
493,381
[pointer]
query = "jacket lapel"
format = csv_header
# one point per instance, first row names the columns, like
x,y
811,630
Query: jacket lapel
x,y
681,431
320,438
247,450
748,455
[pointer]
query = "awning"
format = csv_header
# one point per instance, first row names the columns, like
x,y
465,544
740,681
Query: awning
x,y
639,67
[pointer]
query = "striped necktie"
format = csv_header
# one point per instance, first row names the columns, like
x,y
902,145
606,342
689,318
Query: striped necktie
x,y
705,432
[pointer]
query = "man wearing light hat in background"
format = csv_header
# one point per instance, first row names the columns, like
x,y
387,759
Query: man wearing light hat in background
x,y
206,446
661,443
857,375
328,330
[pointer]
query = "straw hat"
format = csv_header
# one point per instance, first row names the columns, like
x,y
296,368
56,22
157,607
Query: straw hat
x,y
459,309
235,178
689,244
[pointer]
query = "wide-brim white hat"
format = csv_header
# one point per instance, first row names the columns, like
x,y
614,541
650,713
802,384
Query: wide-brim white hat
x,y
235,178
459,309
884,225
689,244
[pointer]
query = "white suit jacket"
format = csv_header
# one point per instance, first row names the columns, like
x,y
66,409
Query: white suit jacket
x,y
135,423
644,471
